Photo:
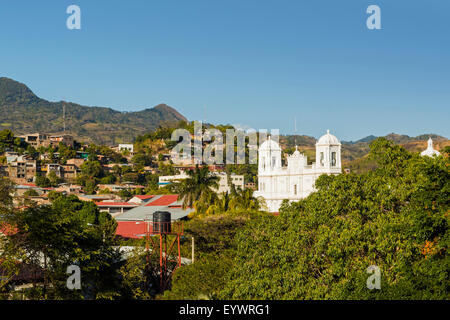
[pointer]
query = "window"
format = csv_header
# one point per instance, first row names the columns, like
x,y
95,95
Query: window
x,y
295,189
321,159
274,160
264,163
333,159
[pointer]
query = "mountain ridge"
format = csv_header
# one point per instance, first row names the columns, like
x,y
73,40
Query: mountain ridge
x,y
24,112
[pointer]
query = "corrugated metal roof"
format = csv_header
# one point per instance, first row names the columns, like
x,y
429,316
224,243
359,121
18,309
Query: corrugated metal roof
x,y
143,212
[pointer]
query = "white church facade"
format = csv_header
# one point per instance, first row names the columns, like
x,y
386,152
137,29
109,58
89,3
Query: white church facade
x,y
430,151
296,180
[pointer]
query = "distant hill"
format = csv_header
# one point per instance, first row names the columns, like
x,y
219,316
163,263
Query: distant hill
x,y
366,139
356,150
23,112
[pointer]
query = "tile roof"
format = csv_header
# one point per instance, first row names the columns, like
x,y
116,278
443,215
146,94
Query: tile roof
x,y
164,200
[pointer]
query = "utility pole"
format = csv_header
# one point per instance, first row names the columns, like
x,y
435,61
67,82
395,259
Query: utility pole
x,y
193,249
64,116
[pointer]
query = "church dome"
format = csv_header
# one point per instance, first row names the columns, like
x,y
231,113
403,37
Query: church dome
x,y
328,139
296,153
269,144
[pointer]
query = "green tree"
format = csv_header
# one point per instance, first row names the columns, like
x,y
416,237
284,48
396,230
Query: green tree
x,y
53,179
67,232
394,217
42,181
31,193
244,199
197,186
205,278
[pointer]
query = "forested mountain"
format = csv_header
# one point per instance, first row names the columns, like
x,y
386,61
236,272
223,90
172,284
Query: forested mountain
x,y
23,112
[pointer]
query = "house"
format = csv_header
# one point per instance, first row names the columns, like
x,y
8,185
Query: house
x,y
20,190
97,197
45,140
68,188
224,180
115,207
66,139
36,140
112,187
250,185
141,199
23,169
126,146
76,162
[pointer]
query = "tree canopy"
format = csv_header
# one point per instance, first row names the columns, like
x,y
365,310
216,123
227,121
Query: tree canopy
x,y
394,217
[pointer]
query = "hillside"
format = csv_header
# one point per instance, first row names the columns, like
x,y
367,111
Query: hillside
x,y
23,112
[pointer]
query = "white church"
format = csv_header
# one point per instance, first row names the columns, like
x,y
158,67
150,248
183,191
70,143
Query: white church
x,y
430,151
296,181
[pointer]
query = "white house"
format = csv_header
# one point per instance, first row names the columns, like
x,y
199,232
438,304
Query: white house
x,y
296,180
126,146
236,180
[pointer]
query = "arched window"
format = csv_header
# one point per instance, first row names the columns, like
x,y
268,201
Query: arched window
x,y
333,159
274,161
321,159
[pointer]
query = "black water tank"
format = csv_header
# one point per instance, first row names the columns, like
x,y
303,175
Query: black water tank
x,y
161,222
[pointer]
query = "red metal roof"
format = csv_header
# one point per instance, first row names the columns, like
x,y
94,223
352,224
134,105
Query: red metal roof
x,y
131,229
145,196
164,200
28,185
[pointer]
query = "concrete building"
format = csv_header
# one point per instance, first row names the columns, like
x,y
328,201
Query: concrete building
x,y
36,139
23,169
236,180
66,139
45,140
67,172
126,146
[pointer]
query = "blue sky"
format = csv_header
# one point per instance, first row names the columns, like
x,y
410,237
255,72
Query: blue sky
x,y
251,62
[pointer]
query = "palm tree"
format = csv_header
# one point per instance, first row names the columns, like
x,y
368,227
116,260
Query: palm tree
x,y
198,186
204,204
244,200
220,205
